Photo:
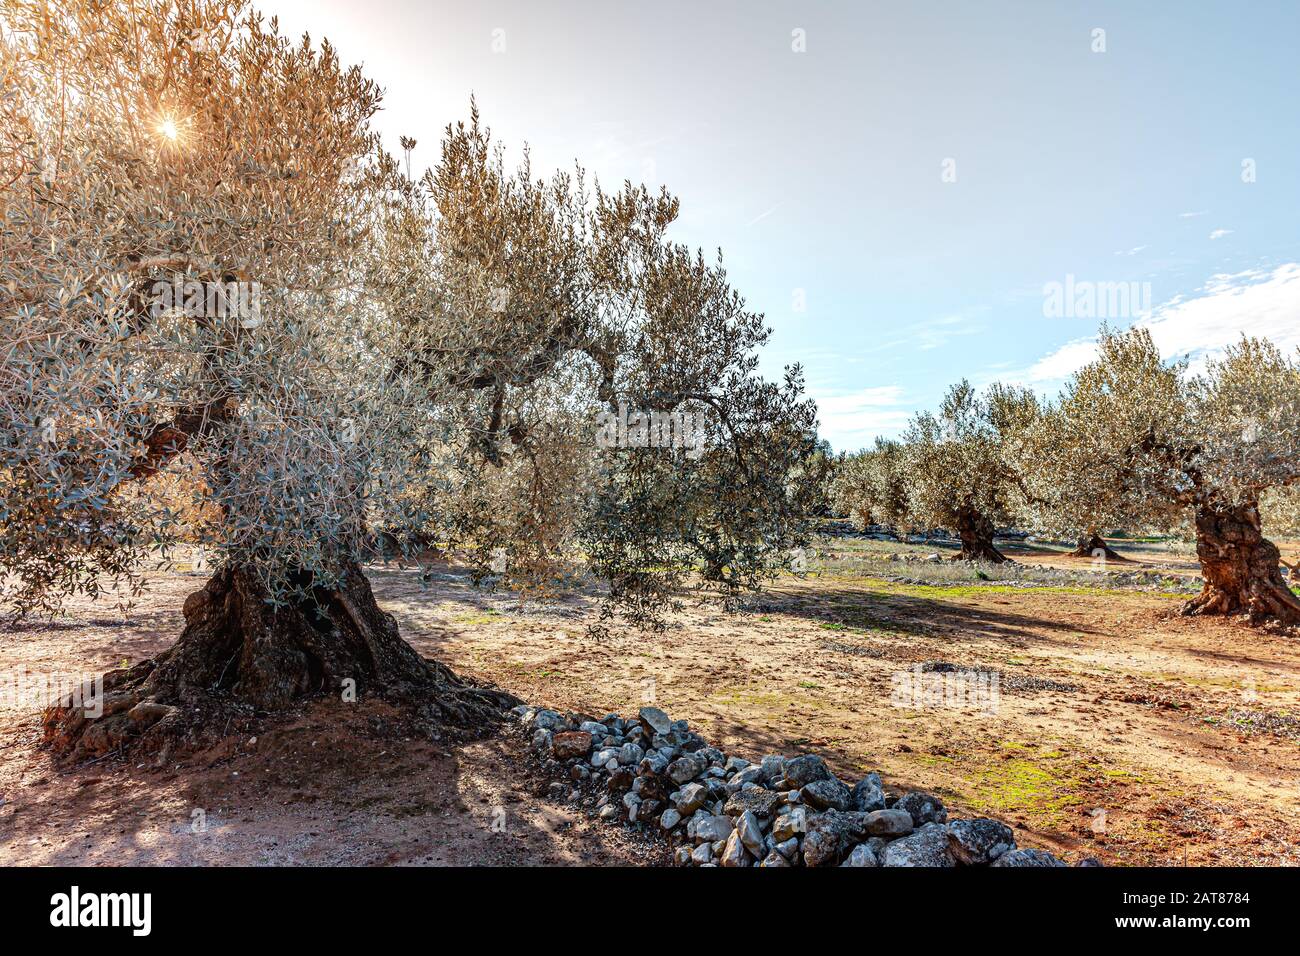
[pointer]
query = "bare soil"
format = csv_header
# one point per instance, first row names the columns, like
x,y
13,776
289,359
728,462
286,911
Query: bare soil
x,y
325,787
1115,729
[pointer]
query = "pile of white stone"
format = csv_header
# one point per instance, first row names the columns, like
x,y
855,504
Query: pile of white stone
x,y
654,773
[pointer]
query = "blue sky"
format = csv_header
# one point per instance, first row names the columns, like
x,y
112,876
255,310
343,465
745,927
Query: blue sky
x,y
827,175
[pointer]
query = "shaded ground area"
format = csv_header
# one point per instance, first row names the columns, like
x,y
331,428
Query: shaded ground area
x,y
326,788
328,785
1089,718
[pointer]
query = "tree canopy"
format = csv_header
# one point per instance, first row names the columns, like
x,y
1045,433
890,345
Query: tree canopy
x,y
1144,443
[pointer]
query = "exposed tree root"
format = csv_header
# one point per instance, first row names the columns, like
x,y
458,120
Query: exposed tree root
x,y
1093,545
980,551
1241,568
241,658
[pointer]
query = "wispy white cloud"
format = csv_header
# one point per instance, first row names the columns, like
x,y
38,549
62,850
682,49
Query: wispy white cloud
x,y
1132,252
1193,215
932,333
938,332
851,420
1220,233
1256,302
761,216
1056,367
1198,327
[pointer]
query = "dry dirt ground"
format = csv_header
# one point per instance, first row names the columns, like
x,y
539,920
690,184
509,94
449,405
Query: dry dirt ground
x,y
1091,719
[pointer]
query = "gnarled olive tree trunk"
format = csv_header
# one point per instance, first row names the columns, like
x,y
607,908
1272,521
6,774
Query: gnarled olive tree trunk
x,y
241,654
1093,545
976,533
1240,567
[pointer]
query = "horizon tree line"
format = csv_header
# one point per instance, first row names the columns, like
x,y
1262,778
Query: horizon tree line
x,y
1131,442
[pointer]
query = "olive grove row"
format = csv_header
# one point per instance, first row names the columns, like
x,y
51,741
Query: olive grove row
x,y
1133,442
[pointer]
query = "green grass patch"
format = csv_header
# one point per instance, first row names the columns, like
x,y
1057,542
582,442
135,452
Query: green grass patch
x,y
1045,786
884,587
490,616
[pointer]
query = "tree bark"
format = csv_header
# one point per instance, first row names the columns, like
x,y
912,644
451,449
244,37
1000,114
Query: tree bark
x,y
976,533
1240,567
1091,543
239,655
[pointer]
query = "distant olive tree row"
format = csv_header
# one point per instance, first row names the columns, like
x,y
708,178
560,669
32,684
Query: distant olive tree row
x,y
1132,441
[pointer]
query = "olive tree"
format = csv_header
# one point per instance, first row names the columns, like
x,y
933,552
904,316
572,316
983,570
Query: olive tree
x,y
870,487
598,380
959,469
212,271
732,517
188,206
1142,442
1061,505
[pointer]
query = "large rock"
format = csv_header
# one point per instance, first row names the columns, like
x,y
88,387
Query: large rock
x,y
773,768
711,756
926,847
751,834
734,854
1027,857
685,768
804,769
646,810
862,855
924,808
670,818
790,825
831,835
571,743
620,778
749,774
827,795
654,720
868,794
690,798
652,763
975,842
762,803
889,823
650,787
549,720
711,828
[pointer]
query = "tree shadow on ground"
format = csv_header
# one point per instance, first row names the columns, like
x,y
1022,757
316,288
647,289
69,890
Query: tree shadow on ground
x,y
868,609
322,783
326,785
